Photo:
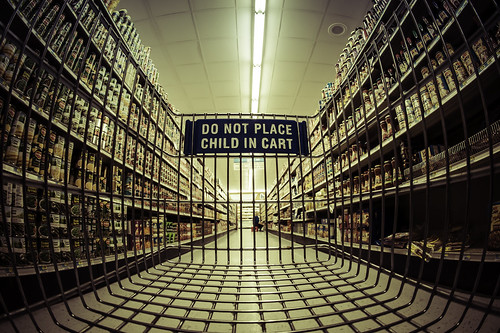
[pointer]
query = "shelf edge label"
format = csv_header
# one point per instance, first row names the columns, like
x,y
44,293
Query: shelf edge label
x,y
236,136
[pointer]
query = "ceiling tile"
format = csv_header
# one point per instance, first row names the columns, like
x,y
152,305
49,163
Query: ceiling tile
x,y
198,90
308,27
176,27
147,33
217,23
202,105
223,71
168,73
280,102
306,106
215,50
204,4
311,90
138,10
191,73
183,53
326,53
281,111
289,71
175,90
348,9
226,88
316,5
294,49
284,88
227,103
164,7
319,72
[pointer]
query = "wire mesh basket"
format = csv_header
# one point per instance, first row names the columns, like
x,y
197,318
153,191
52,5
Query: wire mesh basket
x,y
117,216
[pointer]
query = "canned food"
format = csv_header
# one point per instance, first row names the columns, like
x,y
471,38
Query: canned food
x,y
481,50
55,168
12,151
416,106
459,71
431,88
434,63
448,76
400,116
425,72
440,57
450,48
467,61
426,99
494,236
442,86
409,110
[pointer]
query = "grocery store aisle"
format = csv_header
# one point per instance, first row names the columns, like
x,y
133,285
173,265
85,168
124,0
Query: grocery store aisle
x,y
201,291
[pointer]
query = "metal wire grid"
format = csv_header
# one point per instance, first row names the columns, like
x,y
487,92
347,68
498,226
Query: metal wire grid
x,y
273,284
203,296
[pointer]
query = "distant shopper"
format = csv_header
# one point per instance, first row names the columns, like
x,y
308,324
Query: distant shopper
x,y
256,223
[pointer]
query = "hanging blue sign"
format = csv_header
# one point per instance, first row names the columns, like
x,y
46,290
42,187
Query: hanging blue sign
x,y
235,136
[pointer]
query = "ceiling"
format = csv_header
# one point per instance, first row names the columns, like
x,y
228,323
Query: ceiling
x,y
203,51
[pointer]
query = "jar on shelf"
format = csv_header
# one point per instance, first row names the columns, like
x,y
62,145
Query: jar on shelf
x,y
344,160
355,189
354,152
342,130
366,180
383,128
357,114
338,186
387,174
378,177
367,100
347,186
397,176
389,126
379,91
362,182
356,48
350,123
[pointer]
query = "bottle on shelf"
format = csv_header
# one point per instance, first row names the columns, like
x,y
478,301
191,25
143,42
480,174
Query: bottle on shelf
x,y
440,13
430,27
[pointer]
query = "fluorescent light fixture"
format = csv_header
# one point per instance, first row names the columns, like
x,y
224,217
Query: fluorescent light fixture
x,y
255,88
258,38
256,82
258,47
260,6
255,106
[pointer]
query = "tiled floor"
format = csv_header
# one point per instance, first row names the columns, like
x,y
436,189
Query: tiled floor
x,y
255,290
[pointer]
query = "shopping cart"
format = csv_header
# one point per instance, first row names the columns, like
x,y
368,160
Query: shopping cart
x,y
380,214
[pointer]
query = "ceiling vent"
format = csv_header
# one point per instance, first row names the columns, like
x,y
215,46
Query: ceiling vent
x,y
337,29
